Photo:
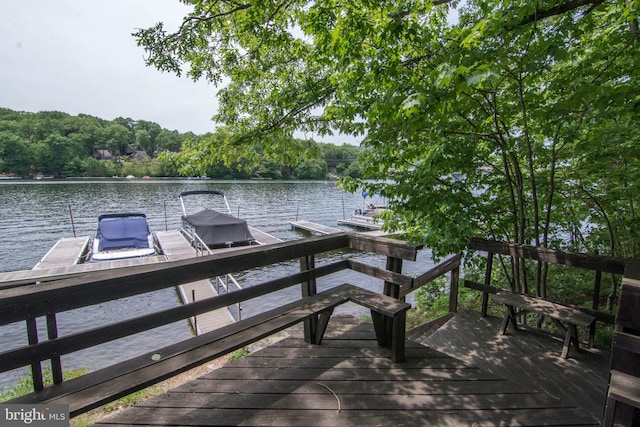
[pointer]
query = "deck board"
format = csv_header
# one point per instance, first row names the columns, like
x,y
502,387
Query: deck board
x,y
526,357
349,381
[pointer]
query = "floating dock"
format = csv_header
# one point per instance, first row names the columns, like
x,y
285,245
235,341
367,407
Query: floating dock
x,y
175,247
324,229
66,251
62,262
360,224
313,227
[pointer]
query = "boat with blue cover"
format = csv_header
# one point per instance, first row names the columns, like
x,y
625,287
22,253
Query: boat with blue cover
x,y
123,235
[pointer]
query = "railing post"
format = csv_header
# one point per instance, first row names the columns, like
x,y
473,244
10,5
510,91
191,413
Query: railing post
x,y
195,318
36,367
391,290
453,290
308,288
52,333
487,282
595,305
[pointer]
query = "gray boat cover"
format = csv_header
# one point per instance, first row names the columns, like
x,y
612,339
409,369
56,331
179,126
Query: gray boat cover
x,y
218,229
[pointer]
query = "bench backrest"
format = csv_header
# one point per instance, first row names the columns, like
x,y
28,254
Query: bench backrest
x,y
598,264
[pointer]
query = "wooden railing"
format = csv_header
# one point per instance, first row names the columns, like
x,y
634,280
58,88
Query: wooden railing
x,y
623,395
31,303
598,264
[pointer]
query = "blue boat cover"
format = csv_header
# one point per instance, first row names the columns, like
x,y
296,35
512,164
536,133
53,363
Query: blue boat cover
x,y
122,232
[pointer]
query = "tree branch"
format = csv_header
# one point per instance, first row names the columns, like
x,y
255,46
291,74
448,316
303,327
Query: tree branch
x,y
559,10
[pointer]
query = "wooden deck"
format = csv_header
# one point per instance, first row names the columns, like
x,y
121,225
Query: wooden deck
x,y
349,380
526,357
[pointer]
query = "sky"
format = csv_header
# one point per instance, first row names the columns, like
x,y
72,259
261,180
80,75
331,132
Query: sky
x,y
78,56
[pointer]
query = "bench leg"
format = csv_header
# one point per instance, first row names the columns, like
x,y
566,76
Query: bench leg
x,y
571,336
321,326
509,314
574,335
398,338
394,336
380,327
567,343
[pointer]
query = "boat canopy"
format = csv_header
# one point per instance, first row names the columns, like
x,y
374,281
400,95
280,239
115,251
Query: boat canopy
x,y
125,230
219,229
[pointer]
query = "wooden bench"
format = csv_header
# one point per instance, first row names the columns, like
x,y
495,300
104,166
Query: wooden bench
x,y
559,313
519,252
105,385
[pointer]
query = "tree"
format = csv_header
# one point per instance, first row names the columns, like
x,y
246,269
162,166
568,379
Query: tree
x,y
15,154
485,124
143,141
311,169
168,141
153,130
118,138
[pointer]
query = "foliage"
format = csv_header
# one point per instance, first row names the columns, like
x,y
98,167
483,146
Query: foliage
x,y
432,300
515,121
311,169
58,144
55,143
238,354
24,385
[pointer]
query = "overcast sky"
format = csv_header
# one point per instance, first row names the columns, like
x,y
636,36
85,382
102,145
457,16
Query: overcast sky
x,y
78,56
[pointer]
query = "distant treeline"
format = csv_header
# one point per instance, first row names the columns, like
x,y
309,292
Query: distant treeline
x,y
57,144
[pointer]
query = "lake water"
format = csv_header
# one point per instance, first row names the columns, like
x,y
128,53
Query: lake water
x,y
35,214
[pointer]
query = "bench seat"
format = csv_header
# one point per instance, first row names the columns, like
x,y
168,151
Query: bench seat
x,y
560,313
113,382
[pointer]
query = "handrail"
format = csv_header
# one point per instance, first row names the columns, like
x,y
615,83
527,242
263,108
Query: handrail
x,y
74,342
572,259
196,241
450,265
224,284
30,302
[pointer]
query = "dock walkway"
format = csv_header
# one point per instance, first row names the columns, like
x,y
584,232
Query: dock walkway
x,y
313,227
347,381
360,224
66,251
61,262
176,247
325,229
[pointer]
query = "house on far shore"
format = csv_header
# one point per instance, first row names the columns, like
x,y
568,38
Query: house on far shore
x,y
102,155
